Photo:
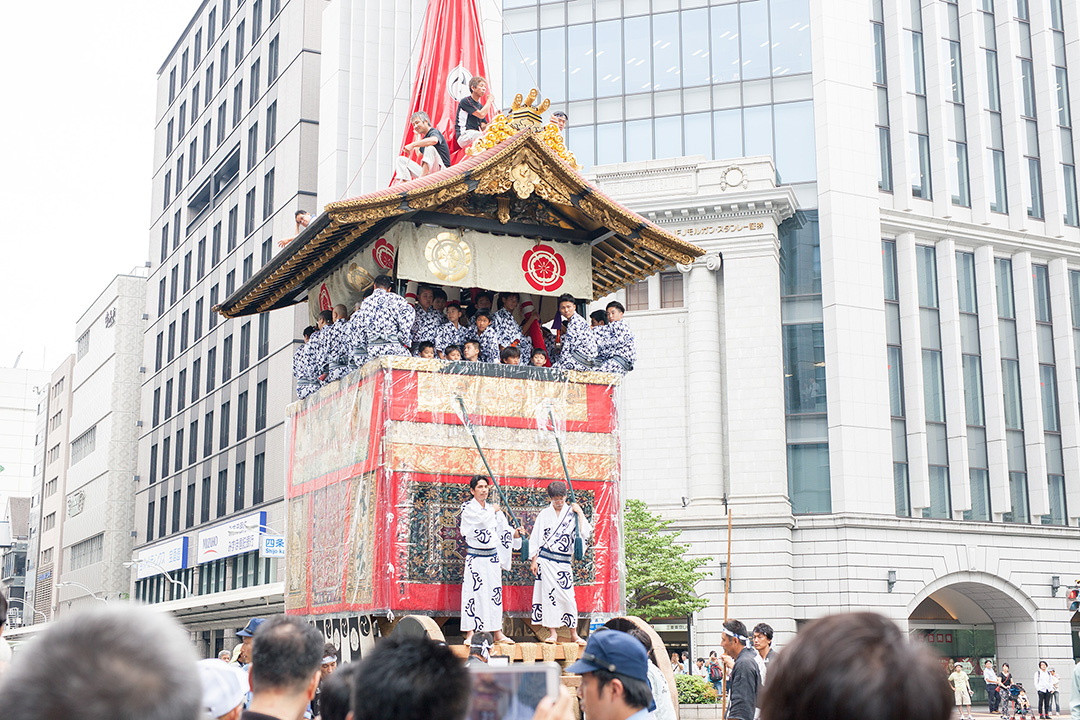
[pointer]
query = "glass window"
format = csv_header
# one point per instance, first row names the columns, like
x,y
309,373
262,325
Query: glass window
x,y
671,290
933,386
1010,370
795,155
758,134
698,135
754,37
980,495
695,48
925,258
965,281
901,490
665,47
609,143
638,140
726,66
801,250
727,127
637,39
1019,496
667,137
580,66
973,391
808,478
940,500
1048,380
790,36
1042,293
581,138
1057,514
609,62
637,296
1003,270
519,51
804,368
896,383
553,68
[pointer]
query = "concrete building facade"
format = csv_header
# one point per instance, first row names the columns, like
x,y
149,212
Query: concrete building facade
x,y
20,397
235,157
97,511
45,555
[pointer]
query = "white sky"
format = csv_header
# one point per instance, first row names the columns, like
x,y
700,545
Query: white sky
x,y
78,82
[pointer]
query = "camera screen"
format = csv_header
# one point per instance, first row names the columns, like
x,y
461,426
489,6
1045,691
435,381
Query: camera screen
x,y
509,693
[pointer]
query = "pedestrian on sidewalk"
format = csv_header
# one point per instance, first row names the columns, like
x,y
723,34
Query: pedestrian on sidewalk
x,y
991,679
961,690
1044,685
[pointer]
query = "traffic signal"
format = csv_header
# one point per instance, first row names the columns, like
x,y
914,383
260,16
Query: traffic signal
x,y
1074,598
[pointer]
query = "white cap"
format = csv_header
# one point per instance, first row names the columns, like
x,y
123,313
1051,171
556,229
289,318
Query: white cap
x,y
223,686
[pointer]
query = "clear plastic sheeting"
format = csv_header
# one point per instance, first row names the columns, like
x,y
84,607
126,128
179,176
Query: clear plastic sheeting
x,y
379,465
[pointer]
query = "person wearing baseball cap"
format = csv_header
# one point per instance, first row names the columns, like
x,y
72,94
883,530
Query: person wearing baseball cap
x,y
614,673
246,634
224,689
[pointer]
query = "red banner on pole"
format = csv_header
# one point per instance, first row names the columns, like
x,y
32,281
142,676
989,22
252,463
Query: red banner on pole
x,y
452,52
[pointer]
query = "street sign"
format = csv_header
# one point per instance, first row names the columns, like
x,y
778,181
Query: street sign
x,y
235,537
272,546
168,555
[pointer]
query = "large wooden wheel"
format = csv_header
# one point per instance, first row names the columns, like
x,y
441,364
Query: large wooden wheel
x,y
659,651
413,626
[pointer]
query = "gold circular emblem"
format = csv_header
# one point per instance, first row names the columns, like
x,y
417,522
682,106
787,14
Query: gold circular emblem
x,y
448,256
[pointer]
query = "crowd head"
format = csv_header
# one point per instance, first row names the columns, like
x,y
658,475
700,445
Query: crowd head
x,y
113,662
418,679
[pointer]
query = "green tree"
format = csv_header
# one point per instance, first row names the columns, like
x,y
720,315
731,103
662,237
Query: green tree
x,y
659,579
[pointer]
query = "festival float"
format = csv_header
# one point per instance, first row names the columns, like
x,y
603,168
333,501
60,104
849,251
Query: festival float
x,y
377,463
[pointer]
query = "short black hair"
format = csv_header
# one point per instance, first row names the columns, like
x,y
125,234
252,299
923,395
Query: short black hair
x,y
560,113
471,342
566,297
383,281
476,80
556,488
843,666
617,305
286,652
482,313
298,213
439,293
599,316
424,345
764,629
475,480
326,316
309,331
508,352
539,351
422,288
336,694
636,693
485,294
504,295
450,348
330,650
737,627
416,678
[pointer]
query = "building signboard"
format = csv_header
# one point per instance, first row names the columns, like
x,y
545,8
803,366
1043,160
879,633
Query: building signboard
x,y
235,537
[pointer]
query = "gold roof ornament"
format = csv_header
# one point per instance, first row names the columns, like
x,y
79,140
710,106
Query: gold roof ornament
x,y
523,116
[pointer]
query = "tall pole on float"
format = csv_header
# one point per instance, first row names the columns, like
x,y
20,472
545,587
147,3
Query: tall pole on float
x,y
727,586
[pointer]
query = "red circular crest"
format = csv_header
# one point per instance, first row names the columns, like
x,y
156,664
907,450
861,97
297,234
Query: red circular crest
x,y
544,268
383,254
324,298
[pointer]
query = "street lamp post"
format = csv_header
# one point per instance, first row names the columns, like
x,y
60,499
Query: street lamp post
x,y
161,571
27,606
72,583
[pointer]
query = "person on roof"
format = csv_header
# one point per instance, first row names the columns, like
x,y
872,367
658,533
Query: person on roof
x,y
578,340
387,321
472,113
616,348
506,327
432,145
428,318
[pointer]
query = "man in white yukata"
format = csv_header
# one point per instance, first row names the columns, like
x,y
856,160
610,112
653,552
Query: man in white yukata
x,y
578,340
387,320
616,348
428,319
489,546
551,550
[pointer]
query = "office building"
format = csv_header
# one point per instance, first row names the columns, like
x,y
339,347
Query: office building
x,y
236,135
20,396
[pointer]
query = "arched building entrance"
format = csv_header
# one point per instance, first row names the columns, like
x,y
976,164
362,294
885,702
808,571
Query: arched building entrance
x,y
971,617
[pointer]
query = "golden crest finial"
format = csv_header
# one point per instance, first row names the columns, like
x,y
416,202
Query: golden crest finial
x,y
523,116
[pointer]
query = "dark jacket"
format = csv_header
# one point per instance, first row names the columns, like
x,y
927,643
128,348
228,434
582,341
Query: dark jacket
x,y
744,685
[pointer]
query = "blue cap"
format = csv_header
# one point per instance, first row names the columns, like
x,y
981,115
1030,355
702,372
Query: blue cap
x,y
251,627
614,651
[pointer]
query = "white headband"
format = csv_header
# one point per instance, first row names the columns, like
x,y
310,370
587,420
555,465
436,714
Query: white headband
x,y
329,659
740,638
